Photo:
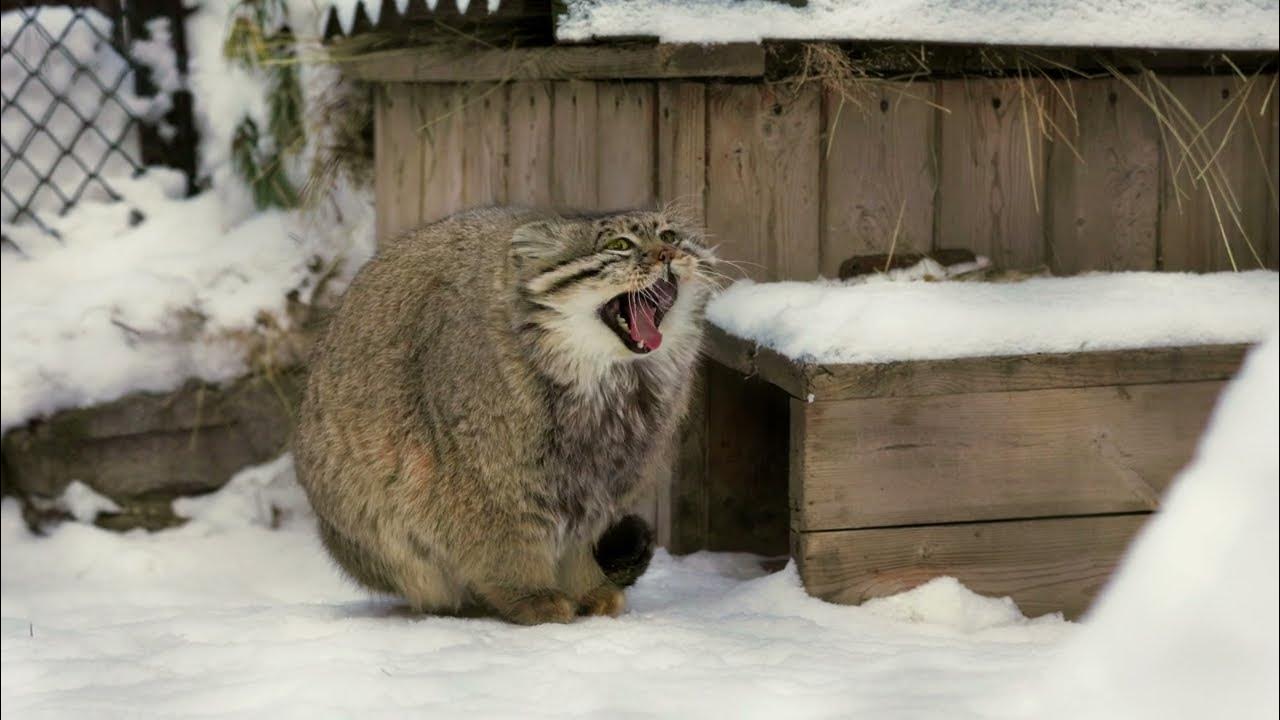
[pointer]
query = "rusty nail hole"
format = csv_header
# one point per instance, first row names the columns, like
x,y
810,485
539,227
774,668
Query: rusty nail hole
x,y
1112,97
884,106
777,109
1226,93
995,103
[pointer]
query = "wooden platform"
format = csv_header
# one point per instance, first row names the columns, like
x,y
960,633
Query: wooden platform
x,y
1023,476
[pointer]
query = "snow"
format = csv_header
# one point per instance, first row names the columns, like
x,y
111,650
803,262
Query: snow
x,y
84,503
1185,24
226,617
880,320
346,10
115,307
1188,627
148,292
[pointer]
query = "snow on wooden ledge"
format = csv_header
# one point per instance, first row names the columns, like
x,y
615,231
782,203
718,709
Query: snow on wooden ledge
x,y
829,322
1187,24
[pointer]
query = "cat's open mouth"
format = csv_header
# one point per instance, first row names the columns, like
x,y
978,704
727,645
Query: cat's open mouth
x,y
635,316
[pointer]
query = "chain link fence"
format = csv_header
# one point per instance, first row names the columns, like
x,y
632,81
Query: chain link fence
x,y
92,91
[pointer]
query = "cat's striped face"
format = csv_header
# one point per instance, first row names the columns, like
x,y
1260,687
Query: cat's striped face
x,y
623,286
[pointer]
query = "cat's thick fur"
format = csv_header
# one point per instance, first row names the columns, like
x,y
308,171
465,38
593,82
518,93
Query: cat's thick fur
x,y
472,424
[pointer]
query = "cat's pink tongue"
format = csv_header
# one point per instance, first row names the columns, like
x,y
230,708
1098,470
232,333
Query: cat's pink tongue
x,y
643,328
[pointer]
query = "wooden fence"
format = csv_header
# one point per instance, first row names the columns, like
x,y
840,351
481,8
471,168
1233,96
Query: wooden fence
x,y
1074,175
790,184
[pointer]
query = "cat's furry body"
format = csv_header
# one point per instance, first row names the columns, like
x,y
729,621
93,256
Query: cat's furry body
x,y
472,424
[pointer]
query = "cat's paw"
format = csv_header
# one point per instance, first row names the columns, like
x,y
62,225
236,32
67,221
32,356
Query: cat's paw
x,y
604,600
544,607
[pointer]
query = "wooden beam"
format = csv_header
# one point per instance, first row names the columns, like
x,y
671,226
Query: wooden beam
x,y
603,62
877,462
910,378
1044,565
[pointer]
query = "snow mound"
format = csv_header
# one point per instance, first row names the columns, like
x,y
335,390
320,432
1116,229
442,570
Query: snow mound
x,y
1186,24
946,602
84,503
882,321
142,294
1188,626
263,495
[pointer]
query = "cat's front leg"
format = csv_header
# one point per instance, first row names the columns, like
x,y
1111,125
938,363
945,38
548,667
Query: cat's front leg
x,y
582,579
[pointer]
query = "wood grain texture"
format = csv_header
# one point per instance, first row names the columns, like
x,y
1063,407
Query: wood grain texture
x,y
529,143
879,173
604,62
484,136
991,187
1102,203
574,151
682,147
978,374
1051,565
625,145
439,113
688,523
1191,237
762,179
746,470
986,456
1268,129
398,177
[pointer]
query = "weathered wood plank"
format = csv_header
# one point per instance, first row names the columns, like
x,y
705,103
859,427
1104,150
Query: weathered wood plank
x,y
991,185
574,150
484,149
1046,566
439,114
606,62
625,170
383,168
878,173
688,524
1196,209
746,470
762,178
901,461
529,143
682,147
1102,203
979,374
1269,132
398,180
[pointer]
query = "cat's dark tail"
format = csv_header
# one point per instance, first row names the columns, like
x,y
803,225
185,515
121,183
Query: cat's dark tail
x,y
625,549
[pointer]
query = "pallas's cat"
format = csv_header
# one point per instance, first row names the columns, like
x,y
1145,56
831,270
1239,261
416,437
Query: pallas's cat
x,y
493,392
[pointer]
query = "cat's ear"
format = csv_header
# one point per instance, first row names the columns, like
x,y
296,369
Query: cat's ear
x,y
538,240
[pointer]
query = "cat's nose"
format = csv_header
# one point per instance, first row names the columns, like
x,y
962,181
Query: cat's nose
x,y
664,254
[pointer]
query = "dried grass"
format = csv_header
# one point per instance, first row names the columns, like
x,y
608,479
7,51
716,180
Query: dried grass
x,y
1048,110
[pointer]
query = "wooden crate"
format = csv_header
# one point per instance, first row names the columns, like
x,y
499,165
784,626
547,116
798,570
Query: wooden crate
x,y
1024,476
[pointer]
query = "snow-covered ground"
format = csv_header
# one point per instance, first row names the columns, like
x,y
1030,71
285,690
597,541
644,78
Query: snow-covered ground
x,y
880,320
1216,25
228,617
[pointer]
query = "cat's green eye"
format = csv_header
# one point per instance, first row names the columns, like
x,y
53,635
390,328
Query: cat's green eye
x,y
619,244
